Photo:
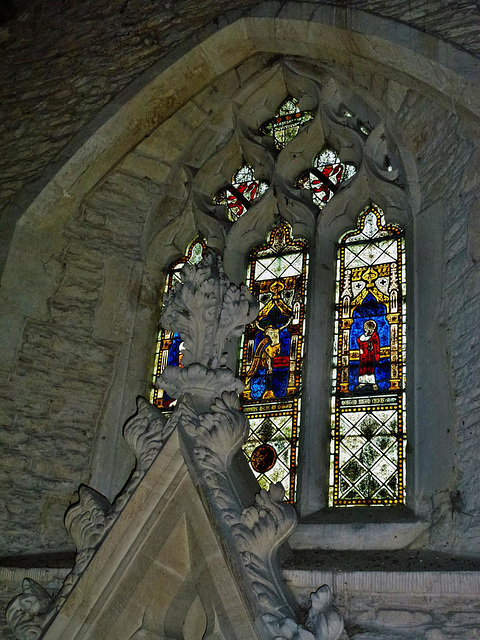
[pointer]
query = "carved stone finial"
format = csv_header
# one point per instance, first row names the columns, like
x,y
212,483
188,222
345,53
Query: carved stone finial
x,y
266,524
255,533
146,432
222,430
324,620
85,520
29,613
202,383
206,309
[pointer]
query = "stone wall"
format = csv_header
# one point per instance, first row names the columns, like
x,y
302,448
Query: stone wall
x,y
67,361
66,393
65,379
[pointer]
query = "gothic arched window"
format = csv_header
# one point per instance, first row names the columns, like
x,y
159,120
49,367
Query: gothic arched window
x,y
368,425
168,351
271,357
288,172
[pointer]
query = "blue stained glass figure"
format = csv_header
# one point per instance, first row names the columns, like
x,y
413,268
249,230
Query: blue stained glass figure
x,y
269,372
368,416
370,332
271,357
174,354
169,345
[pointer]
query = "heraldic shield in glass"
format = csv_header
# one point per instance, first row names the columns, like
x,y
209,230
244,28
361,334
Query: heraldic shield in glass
x,y
287,122
271,357
240,194
368,418
169,347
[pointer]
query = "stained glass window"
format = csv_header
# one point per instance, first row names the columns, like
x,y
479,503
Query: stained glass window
x,y
271,357
286,123
368,399
324,178
239,195
169,346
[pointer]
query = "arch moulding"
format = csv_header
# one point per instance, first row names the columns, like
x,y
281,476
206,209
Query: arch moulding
x,y
328,35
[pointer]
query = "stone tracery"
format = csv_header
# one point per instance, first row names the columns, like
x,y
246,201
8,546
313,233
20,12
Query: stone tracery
x,y
370,163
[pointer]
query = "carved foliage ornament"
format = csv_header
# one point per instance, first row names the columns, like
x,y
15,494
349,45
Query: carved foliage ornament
x,y
88,522
213,437
30,612
206,310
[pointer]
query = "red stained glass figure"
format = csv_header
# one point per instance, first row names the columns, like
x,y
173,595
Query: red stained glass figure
x,y
368,393
369,355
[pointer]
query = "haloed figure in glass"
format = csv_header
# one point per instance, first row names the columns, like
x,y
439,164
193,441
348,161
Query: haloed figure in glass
x,y
271,357
369,355
268,374
370,341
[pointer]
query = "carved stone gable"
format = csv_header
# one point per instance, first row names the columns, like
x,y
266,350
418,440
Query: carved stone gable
x,y
183,549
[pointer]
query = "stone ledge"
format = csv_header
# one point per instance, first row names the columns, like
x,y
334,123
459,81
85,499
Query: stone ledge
x,y
418,560
360,536
432,583
43,575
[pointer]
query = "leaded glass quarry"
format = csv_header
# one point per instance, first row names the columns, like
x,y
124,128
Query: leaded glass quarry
x,y
240,194
286,123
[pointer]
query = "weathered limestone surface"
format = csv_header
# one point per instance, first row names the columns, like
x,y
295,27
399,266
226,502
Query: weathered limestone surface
x,y
184,527
415,605
55,395
77,349
457,185
10,578
60,69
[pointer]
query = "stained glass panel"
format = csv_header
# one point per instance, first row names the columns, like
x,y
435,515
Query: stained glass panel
x,y
271,357
239,195
324,178
286,123
169,346
368,398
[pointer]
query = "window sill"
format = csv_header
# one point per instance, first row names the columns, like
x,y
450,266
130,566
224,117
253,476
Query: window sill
x,y
358,529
